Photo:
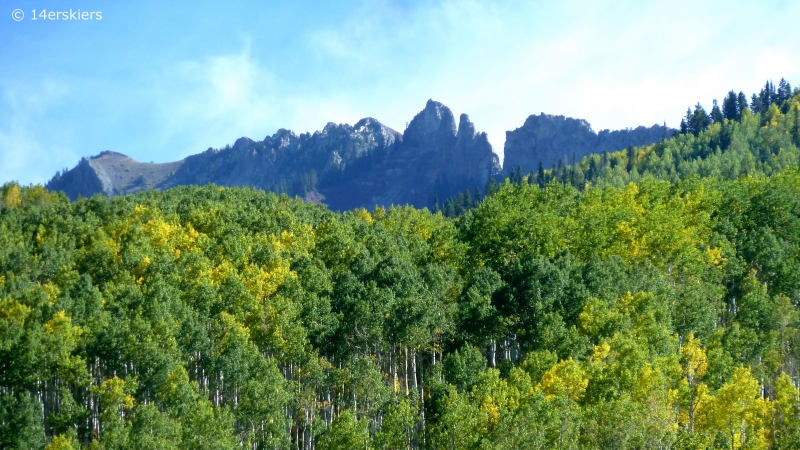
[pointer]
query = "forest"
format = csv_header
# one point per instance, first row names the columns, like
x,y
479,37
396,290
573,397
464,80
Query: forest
x,y
642,299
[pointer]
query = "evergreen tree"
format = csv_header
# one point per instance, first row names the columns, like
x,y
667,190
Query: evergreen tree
x,y
631,154
699,120
784,91
686,122
491,186
540,174
517,175
716,113
730,107
741,101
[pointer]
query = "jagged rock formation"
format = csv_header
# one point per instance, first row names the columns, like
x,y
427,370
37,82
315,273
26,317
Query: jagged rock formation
x,y
342,166
436,159
550,139
111,173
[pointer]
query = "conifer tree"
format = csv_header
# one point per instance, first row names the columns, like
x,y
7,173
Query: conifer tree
x,y
540,174
730,107
699,120
716,114
741,101
784,91
631,155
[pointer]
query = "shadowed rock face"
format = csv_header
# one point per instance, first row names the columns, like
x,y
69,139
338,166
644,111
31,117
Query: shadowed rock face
x,y
548,139
342,166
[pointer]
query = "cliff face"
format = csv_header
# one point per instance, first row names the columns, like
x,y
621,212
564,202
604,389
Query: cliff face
x,y
435,159
111,173
363,165
550,139
342,166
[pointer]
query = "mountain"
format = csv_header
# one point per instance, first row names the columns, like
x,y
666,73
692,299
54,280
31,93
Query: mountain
x,y
342,166
363,165
549,139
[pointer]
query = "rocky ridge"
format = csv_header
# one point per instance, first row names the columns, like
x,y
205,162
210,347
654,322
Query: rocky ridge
x,y
362,165
343,166
550,139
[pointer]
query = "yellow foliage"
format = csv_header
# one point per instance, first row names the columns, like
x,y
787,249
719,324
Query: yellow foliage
x,y
362,214
13,198
261,282
163,234
492,395
218,274
140,268
738,409
715,256
600,352
62,333
12,317
566,378
773,116
693,357
491,412
60,442
300,241
51,290
379,213
786,407
113,394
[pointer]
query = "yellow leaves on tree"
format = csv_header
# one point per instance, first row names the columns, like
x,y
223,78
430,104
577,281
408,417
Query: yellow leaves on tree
x,y
12,322
492,395
693,360
61,442
364,215
565,379
61,330
12,197
263,282
115,398
738,409
786,408
61,338
173,237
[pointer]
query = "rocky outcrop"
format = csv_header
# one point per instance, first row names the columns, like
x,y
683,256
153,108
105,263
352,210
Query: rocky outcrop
x,y
343,166
550,139
111,173
435,159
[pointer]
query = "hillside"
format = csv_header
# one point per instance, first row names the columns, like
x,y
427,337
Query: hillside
x,y
644,314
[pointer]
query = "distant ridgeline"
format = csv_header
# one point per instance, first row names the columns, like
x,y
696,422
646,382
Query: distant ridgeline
x,y
364,165
342,166
733,140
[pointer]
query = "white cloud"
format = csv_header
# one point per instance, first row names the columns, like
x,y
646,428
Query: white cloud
x,y
626,64
617,66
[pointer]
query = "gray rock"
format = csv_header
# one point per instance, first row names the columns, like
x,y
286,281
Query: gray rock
x,y
343,166
550,139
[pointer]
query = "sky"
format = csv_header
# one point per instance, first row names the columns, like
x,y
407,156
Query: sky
x,y
159,80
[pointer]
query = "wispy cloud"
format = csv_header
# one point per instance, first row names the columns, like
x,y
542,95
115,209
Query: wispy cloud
x,y
24,148
615,64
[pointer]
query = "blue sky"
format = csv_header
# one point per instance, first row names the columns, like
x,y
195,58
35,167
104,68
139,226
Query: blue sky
x,y
162,80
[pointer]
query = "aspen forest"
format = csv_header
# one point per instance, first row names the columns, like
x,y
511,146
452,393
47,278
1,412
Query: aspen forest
x,y
641,299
